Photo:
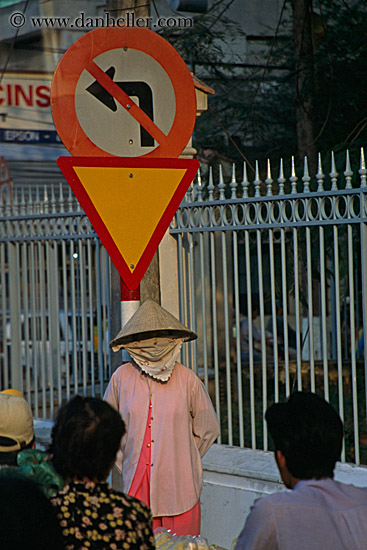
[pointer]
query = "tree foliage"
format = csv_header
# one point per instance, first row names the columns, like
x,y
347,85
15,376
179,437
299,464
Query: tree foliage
x,y
254,107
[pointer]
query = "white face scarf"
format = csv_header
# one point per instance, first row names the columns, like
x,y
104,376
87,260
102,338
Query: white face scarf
x,y
156,356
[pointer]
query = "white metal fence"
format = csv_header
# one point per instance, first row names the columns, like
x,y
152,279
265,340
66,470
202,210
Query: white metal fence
x,y
54,298
296,243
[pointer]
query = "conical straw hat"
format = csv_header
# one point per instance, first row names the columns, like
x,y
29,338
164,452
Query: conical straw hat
x,y
148,321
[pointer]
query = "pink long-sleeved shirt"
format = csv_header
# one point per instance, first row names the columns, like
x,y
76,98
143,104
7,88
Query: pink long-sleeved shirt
x,y
183,427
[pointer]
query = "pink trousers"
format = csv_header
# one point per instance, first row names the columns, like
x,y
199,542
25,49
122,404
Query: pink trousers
x,y
187,523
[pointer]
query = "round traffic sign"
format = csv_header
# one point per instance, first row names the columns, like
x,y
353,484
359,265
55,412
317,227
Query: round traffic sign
x,y
123,92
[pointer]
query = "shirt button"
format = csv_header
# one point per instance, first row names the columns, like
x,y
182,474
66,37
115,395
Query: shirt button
x,y
151,464
152,440
151,418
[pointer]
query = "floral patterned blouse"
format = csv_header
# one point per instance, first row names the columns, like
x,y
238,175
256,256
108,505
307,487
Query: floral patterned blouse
x,y
94,517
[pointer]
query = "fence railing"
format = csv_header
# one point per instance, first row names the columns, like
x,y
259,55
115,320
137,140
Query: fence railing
x,y
273,277
54,296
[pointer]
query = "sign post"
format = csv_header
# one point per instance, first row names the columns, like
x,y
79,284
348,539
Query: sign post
x,y
124,104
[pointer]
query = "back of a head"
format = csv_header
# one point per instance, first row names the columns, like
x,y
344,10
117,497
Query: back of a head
x,y
28,520
16,426
85,439
308,432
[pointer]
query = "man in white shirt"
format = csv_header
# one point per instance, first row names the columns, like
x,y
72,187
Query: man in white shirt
x,y
319,513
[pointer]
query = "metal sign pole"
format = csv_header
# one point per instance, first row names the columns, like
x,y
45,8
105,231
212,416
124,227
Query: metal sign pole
x,y
130,302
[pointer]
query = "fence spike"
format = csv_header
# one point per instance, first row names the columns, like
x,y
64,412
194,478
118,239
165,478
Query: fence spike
x,y
45,201
245,182
268,181
306,176
293,179
61,197
320,175
53,199
23,204
348,173
15,204
221,184
333,174
199,187
10,203
37,208
211,184
362,171
281,179
233,184
293,169
30,203
190,193
70,200
257,180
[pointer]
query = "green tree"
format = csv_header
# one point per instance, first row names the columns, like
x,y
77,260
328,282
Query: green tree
x,y
316,67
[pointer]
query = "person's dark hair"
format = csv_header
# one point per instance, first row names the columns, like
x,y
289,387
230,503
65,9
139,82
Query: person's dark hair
x,y
308,432
10,458
85,438
28,519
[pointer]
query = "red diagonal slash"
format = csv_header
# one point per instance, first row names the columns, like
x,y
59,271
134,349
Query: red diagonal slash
x,y
121,97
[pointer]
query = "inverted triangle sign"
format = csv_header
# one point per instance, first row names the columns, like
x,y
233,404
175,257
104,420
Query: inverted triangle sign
x,y
130,202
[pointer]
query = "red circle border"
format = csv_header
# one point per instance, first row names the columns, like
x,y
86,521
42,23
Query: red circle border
x,y
98,41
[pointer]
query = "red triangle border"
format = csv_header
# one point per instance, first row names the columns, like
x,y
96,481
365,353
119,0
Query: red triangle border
x,y
67,164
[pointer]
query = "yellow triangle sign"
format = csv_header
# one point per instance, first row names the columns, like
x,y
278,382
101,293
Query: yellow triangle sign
x,y
130,203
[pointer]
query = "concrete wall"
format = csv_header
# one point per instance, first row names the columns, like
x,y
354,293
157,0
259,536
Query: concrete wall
x,y
234,478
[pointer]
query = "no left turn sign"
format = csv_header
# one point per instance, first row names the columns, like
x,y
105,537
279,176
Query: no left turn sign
x,y
123,92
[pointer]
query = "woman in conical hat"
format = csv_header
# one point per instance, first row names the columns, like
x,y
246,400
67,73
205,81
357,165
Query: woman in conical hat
x,y
170,419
